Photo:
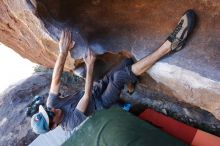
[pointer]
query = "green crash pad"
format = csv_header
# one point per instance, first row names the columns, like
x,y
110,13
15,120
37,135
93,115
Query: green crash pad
x,y
116,127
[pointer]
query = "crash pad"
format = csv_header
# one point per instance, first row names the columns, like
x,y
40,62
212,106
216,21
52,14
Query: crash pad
x,y
116,127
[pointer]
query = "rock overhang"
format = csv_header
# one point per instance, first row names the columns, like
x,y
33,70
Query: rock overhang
x,y
139,27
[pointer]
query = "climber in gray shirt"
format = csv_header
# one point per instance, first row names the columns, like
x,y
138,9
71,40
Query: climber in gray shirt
x,y
70,111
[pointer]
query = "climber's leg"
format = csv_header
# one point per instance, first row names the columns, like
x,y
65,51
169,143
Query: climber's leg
x,y
100,86
144,64
117,80
175,42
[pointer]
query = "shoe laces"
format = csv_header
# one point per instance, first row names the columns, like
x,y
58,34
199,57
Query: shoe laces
x,y
177,29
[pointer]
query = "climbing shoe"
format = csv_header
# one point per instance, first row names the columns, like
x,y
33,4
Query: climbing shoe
x,y
181,32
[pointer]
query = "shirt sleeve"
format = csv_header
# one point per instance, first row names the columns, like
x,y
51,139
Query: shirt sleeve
x,y
52,100
75,118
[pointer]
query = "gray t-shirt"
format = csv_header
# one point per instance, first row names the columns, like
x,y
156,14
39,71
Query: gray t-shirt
x,y
72,116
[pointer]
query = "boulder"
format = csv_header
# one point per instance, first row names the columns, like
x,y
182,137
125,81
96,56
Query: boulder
x,y
118,29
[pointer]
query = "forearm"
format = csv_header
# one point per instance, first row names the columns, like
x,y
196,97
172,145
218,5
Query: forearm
x,y
89,81
84,101
57,73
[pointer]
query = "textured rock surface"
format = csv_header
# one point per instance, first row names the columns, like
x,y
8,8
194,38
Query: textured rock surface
x,y
136,27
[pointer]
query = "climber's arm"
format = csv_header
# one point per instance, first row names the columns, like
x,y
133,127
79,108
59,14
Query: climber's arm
x,y
84,101
65,45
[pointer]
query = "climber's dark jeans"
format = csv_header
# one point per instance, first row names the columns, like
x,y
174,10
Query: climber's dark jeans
x,y
106,92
